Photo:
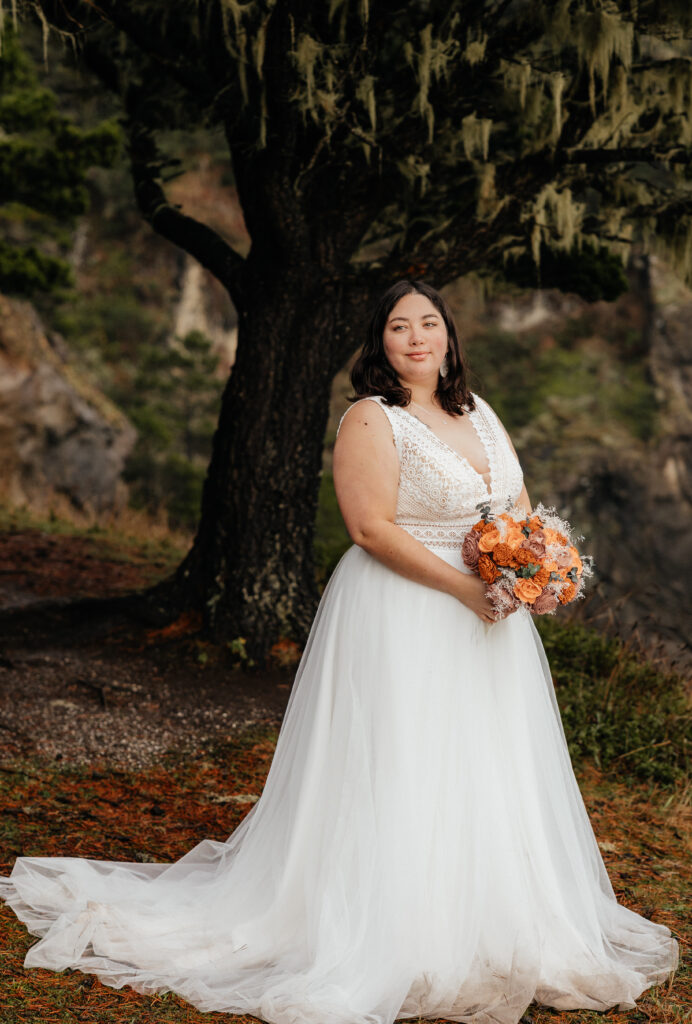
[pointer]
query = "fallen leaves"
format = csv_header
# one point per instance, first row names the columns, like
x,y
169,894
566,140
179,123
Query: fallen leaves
x,y
159,813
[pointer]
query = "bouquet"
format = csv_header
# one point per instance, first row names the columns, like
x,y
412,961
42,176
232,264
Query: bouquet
x,y
528,561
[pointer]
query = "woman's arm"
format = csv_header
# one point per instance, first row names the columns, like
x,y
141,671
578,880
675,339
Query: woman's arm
x,y
366,480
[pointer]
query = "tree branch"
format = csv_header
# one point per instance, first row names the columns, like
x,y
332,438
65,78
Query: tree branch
x,y
68,16
194,237
626,154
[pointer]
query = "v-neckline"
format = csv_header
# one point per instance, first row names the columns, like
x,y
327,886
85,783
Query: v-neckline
x,y
462,458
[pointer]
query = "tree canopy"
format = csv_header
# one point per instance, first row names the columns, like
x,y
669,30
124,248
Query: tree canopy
x,y
44,157
491,129
372,140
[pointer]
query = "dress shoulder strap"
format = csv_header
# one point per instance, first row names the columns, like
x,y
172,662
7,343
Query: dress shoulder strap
x,y
390,414
486,414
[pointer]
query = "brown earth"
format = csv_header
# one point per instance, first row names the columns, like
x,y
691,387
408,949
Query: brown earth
x,y
93,718
78,688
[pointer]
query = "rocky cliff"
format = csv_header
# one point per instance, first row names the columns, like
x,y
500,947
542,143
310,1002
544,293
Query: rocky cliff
x,y
598,398
58,433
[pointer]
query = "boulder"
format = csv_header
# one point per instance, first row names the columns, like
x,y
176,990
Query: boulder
x,y
58,433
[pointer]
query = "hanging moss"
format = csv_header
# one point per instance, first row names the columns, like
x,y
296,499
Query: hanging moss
x,y
431,107
557,82
366,94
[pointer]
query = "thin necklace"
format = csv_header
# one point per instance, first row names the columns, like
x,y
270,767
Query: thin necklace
x,y
439,412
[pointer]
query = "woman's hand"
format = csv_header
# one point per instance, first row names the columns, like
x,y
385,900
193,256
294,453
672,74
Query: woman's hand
x,y
472,591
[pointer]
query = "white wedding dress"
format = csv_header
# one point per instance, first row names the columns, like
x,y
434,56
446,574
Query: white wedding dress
x,y
420,848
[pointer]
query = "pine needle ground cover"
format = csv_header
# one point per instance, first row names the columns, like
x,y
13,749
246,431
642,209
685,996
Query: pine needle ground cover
x,y
627,724
159,813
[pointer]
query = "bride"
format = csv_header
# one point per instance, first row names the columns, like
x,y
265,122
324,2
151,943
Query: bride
x,y
421,847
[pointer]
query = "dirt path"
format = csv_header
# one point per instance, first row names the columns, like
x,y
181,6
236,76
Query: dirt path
x,y
118,694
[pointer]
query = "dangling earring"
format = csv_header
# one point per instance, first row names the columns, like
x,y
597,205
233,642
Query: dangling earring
x,y
444,368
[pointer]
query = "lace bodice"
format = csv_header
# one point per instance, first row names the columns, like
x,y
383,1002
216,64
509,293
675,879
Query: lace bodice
x,y
439,490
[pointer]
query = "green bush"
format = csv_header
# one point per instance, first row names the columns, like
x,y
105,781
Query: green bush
x,y
619,711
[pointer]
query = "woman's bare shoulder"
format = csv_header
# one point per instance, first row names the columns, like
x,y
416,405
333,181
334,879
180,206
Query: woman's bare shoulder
x,y
362,418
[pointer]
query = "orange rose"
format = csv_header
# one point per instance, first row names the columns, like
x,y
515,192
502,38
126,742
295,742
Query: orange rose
x,y
553,537
487,527
513,537
478,526
487,569
534,523
489,539
527,591
576,562
567,594
502,554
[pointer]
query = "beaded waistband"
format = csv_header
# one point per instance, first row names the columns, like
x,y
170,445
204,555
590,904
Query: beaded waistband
x,y
438,535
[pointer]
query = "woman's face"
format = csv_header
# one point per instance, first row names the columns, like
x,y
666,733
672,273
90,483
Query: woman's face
x,y
415,340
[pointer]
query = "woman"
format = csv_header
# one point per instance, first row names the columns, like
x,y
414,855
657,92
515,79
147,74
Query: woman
x,y
420,847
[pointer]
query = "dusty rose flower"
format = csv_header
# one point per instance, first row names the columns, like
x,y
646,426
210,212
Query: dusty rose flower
x,y
535,543
546,602
502,601
469,549
563,559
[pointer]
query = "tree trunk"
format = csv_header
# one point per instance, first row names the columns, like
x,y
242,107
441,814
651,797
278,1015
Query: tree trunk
x,y
251,568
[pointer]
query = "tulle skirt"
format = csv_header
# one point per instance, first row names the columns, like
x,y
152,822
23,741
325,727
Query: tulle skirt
x,y
420,848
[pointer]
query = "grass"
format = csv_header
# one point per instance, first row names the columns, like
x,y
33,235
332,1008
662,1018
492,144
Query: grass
x,y
620,712
136,535
128,535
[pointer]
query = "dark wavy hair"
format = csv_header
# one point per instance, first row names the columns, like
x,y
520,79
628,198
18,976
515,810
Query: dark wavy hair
x,y
372,373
